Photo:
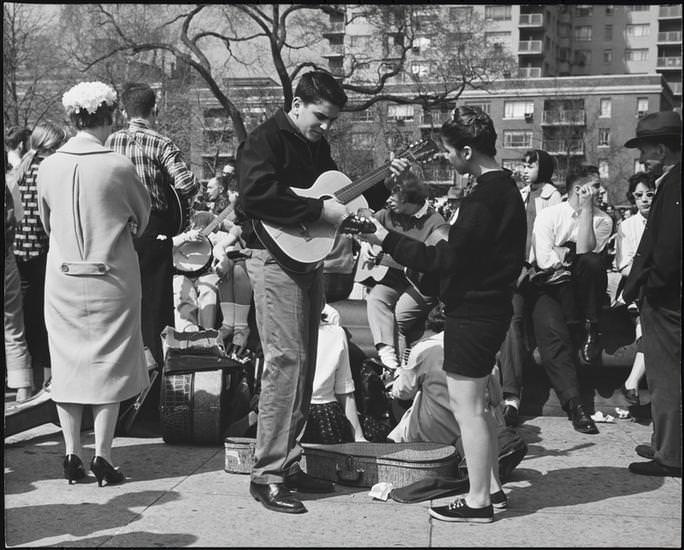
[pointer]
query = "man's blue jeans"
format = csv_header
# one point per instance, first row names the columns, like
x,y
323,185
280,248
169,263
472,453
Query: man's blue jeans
x,y
288,312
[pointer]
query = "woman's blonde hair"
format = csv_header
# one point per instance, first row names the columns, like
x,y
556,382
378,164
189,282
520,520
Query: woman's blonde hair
x,y
46,137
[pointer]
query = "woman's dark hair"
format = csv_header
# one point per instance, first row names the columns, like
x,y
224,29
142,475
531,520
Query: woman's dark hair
x,y
470,126
317,86
436,318
546,163
410,188
102,117
138,99
640,177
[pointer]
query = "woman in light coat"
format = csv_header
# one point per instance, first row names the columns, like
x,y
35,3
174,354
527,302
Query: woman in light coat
x,y
91,204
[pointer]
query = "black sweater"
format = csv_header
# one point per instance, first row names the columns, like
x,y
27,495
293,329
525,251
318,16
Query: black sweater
x,y
274,158
484,254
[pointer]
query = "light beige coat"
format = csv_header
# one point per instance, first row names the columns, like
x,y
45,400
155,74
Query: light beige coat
x,y
91,202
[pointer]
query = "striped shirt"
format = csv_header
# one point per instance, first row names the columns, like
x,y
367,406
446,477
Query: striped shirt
x,y
157,160
30,239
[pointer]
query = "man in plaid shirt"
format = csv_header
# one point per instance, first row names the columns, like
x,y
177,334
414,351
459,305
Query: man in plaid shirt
x,y
160,165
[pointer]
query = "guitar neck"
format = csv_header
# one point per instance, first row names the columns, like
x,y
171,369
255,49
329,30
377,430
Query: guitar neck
x,y
213,225
355,189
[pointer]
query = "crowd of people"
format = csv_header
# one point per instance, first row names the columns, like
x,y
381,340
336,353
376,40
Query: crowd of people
x,y
102,227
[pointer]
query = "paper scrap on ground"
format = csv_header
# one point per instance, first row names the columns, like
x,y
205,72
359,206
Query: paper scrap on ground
x,y
380,490
622,414
598,416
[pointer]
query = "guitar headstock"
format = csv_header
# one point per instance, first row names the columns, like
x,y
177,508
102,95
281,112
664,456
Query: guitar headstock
x,y
421,151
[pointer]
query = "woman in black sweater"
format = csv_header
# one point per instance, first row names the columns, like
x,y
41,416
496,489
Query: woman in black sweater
x,y
476,268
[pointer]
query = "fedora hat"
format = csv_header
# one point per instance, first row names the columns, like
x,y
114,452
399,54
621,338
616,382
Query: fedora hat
x,y
656,125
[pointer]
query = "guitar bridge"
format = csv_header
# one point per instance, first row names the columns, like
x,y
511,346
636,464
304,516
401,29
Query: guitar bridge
x,y
305,231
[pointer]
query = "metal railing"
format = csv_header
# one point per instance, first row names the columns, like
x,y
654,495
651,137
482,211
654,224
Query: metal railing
x,y
675,61
531,20
564,117
564,146
670,11
670,36
530,46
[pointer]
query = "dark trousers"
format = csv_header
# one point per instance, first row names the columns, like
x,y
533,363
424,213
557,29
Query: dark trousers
x,y
554,340
32,274
514,351
584,297
662,346
156,276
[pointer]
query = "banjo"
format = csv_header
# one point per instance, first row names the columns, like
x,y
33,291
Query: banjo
x,y
192,258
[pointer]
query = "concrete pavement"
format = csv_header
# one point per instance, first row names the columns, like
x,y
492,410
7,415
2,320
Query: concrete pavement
x,y
570,490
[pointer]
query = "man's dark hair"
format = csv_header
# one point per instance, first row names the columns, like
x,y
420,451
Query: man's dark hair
x,y
138,99
317,86
410,188
16,135
645,178
470,126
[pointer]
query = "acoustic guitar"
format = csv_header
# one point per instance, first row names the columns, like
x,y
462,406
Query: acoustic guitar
x,y
192,258
299,248
373,265
428,283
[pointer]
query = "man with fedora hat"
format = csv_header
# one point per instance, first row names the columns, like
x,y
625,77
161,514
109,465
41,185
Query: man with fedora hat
x,y
655,281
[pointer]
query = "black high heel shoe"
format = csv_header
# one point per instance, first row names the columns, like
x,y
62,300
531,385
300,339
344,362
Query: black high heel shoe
x,y
103,470
73,468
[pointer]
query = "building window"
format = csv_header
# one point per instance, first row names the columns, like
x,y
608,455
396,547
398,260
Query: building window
x,y
604,169
564,54
604,137
642,105
501,38
484,106
367,115
583,57
498,13
639,7
460,13
583,32
606,107
400,112
608,33
636,55
610,10
360,41
563,30
518,109
607,56
362,140
633,31
583,10
517,139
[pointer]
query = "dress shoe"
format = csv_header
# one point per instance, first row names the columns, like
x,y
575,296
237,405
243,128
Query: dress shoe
x,y
304,483
104,471
645,451
632,396
591,348
653,468
73,468
510,414
276,497
581,421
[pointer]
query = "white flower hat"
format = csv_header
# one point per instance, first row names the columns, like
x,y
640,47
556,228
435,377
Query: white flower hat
x,y
88,96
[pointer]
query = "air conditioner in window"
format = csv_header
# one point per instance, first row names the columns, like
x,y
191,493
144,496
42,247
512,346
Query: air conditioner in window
x,y
641,114
529,117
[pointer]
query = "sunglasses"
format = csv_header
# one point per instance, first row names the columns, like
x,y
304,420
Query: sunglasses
x,y
649,195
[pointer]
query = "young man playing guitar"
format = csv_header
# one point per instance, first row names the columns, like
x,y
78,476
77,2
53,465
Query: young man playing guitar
x,y
161,168
288,151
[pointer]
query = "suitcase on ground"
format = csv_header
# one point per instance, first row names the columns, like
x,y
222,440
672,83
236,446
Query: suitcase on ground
x,y
365,464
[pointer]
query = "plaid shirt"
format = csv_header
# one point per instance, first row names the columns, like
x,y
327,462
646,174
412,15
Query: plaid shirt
x,y
157,160
30,239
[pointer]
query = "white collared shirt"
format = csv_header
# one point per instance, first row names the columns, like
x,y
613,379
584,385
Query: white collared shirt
x,y
666,171
559,224
628,237
421,212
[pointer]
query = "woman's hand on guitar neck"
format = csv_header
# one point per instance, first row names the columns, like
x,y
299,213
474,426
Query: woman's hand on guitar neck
x,y
398,166
334,212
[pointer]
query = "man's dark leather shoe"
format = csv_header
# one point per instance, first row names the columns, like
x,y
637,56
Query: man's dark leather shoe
x,y
510,414
645,451
631,396
581,421
304,483
591,348
653,468
276,497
